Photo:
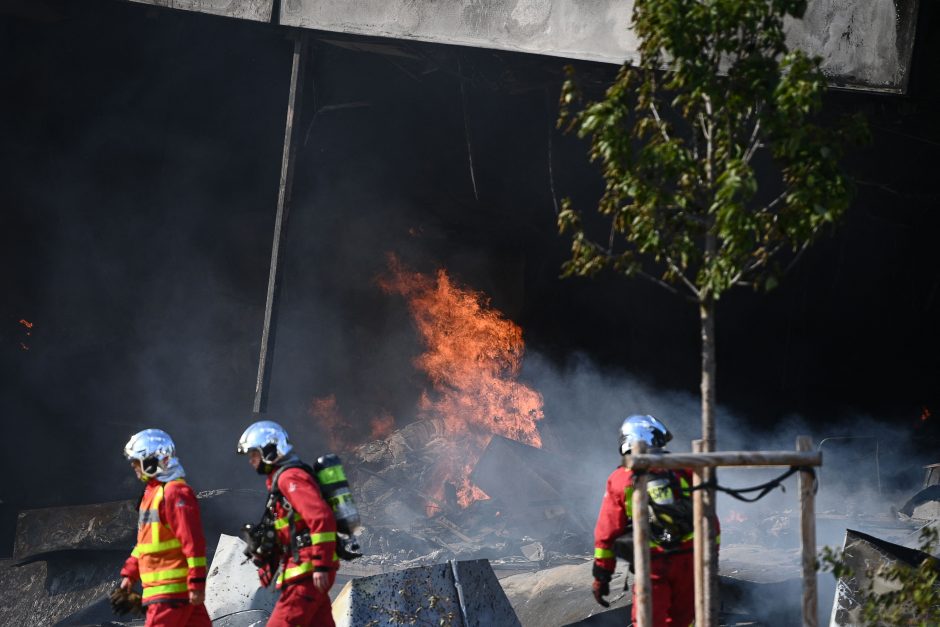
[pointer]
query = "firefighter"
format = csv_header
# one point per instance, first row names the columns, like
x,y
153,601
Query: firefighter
x,y
170,556
304,525
671,566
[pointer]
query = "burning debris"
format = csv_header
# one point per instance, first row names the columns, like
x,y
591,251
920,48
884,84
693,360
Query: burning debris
x,y
472,359
524,520
28,329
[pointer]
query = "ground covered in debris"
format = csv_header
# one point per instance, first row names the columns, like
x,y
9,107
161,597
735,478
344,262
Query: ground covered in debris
x,y
527,536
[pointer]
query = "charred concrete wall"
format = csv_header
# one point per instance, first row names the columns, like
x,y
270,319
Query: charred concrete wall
x,y
863,45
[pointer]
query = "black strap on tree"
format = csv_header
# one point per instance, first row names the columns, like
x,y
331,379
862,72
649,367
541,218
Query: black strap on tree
x,y
764,489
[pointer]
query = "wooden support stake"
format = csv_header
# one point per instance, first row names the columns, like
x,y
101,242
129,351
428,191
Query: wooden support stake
x,y
710,600
298,63
642,585
698,515
808,537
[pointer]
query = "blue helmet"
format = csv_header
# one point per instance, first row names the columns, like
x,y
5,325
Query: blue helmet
x,y
643,428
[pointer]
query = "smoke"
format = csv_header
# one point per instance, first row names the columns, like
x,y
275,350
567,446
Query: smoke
x,y
868,472
136,232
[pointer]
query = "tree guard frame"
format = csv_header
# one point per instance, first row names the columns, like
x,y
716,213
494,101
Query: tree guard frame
x,y
706,597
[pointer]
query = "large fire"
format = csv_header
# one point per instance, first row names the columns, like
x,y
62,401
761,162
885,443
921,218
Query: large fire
x,y
472,359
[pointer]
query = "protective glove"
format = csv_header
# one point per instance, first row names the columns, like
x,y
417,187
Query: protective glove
x,y
266,575
126,602
601,589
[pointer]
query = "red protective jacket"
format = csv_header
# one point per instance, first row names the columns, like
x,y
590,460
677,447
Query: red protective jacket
x,y
309,511
179,510
613,519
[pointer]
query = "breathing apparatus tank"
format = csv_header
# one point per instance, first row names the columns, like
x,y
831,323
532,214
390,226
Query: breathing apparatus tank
x,y
335,488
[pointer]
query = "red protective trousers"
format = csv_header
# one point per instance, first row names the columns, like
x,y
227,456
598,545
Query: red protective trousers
x,y
302,605
177,614
673,590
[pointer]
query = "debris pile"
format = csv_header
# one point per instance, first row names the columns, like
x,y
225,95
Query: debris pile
x,y
530,517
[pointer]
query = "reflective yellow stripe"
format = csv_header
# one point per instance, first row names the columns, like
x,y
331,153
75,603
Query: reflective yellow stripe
x,y
155,526
169,588
320,538
332,474
602,554
157,547
153,516
280,523
295,571
164,575
196,561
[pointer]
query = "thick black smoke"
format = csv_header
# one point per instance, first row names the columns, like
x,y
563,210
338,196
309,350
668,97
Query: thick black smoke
x,y
140,161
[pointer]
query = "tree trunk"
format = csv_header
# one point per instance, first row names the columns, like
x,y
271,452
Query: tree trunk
x,y
709,368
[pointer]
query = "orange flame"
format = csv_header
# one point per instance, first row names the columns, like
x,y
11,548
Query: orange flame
x,y
473,356
337,428
382,425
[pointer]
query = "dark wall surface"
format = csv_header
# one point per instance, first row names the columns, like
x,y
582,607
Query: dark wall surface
x,y
140,162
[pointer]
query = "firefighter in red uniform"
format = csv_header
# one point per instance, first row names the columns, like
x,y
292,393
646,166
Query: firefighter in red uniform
x,y
671,567
305,528
170,556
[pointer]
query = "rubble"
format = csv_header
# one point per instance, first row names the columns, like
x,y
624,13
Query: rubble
x,y
51,588
863,553
525,550
453,593
562,595
98,526
925,505
406,525
232,585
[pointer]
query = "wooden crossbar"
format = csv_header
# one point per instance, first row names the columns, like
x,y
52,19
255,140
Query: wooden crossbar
x,y
723,458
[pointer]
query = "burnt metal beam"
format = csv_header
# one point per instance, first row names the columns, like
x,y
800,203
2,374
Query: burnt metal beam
x,y
265,358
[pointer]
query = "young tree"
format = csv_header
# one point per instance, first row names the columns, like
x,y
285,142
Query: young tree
x,y
680,134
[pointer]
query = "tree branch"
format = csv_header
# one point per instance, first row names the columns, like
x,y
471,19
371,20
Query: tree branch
x,y
709,171
685,281
666,286
701,121
753,143
776,201
659,121
652,279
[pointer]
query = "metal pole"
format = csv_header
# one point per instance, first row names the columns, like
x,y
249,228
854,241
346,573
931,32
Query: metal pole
x,y
298,65
698,519
642,586
808,537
